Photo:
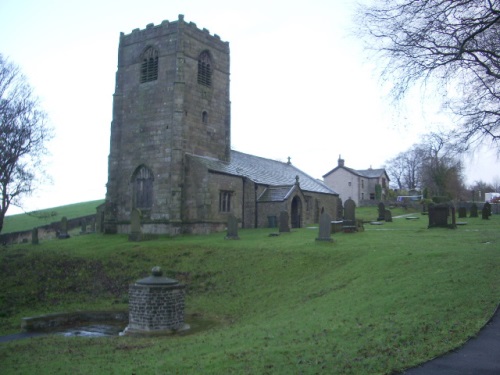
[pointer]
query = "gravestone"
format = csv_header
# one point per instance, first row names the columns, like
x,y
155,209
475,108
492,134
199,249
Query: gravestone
x,y
486,211
325,228
349,216
63,228
438,216
381,211
34,236
473,210
232,228
462,212
388,216
340,210
83,229
135,225
284,225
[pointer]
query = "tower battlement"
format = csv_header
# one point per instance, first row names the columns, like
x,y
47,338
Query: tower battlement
x,y
165,27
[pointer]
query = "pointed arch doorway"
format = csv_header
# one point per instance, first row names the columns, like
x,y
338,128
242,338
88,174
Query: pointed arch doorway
x,y
296,212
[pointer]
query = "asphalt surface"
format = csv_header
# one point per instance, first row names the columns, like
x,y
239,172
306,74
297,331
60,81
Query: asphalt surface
x,y
478,356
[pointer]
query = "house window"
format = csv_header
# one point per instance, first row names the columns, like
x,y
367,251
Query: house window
x,y
149,65
362,184
349,183
383,183
362,196
143,187
225,201
205,69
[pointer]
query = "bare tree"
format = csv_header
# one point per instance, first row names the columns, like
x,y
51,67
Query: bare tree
x,y
23,134
451,45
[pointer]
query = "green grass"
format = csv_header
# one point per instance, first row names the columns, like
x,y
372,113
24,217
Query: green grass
x,y
374,302
30,220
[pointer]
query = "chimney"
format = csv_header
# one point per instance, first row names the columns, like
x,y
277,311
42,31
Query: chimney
x,y
341,161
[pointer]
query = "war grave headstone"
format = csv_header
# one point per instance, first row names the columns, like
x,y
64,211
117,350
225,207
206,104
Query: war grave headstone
x,y
63,228
381,211
34,237
232,228
388,216
349,216
135,225
462,212
438,216
284,225
325,228
473,210
486,211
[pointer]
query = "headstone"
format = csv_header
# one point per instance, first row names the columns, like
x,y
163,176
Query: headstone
x,y
325,228
388,216
340,210
63,228
232,228
349,216
486,211
284,225
462,212
473,210
83,224
381,211
438,215
135,225
34,236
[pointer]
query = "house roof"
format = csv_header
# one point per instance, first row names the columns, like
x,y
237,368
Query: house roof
x,y
367,173
265,172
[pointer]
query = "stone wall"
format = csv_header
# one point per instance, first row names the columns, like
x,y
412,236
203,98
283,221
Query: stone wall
x,y
156,308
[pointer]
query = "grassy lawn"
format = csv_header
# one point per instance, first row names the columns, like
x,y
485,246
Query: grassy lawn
x,y
374,302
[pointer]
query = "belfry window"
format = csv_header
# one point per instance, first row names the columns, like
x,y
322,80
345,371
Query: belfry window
x,y
205,69
143,187
149,65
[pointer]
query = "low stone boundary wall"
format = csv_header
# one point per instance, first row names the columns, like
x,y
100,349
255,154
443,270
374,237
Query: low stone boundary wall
x,y
50,321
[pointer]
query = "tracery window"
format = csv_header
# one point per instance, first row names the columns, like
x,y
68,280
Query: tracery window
x,y
205,69
149,65
225,201
143,187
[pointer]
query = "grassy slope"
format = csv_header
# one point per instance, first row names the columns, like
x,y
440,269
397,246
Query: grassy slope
x,y
21,222
372,302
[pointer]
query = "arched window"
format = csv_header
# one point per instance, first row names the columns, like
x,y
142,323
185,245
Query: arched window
x,y
205,69
149,65
143,187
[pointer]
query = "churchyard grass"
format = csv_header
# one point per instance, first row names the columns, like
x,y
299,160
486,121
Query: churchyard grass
x,y
374,302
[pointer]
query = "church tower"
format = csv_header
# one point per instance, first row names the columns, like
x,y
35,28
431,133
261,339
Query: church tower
x,y
171,99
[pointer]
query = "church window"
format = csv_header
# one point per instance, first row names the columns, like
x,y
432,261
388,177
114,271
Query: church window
x,y
205,69
225,201
149,65
143,188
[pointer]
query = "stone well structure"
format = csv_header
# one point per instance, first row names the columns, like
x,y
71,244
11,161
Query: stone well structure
x,y
156,305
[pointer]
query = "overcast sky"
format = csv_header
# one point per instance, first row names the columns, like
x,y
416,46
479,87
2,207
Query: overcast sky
x,y
300,85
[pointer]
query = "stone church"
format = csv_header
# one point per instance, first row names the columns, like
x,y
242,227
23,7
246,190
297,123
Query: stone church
x,y
170,151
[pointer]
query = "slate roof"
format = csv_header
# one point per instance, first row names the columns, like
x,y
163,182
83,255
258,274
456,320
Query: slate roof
x,y
276,193
264,171
368,173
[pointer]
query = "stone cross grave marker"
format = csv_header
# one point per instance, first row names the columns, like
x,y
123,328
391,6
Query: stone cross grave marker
x,y
325,224
284,225
232,228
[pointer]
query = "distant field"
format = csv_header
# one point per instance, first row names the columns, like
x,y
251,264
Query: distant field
x,y
30,220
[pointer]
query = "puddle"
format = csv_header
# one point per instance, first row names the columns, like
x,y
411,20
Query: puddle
x,y
101,329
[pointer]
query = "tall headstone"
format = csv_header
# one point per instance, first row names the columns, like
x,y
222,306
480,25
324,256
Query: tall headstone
x,y
381,211
325,228
486,211
284,224
63,228
232,228
135,225
350,212
473,210
34,237
340,210
462,212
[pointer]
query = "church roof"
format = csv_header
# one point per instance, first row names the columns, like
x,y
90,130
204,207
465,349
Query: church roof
x,y
264,171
